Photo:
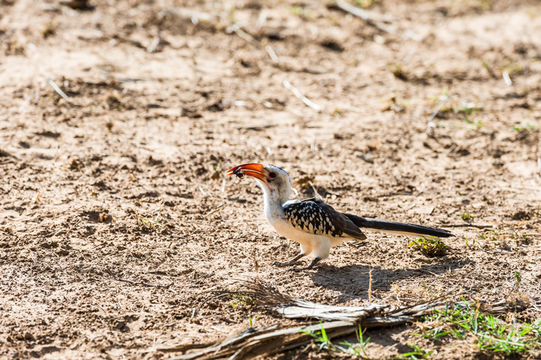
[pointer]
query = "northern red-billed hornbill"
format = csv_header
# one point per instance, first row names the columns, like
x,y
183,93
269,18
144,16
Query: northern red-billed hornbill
x,y
312,223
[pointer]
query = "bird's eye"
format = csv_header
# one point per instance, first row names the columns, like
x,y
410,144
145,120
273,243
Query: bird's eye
x,y
272,175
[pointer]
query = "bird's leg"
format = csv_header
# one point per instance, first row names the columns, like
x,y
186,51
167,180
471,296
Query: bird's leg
x,y
311,265
321,246
289,262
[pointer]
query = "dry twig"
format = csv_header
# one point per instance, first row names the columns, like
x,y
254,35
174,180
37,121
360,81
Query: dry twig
x,y
337,321
430,124
364,15
300,96
237,29
272,53
58,90
538,173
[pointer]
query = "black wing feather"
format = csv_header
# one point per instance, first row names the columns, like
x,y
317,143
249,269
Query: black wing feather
x,y
315,217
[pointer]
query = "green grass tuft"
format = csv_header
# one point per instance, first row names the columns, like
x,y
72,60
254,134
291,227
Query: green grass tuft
x,y
466,216
357,350
416,354
491,334
429,246
148,223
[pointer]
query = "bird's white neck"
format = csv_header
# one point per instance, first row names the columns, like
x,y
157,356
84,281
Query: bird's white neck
x,y
274,199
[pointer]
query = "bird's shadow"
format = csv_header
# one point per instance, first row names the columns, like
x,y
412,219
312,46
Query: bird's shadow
x,y
353,280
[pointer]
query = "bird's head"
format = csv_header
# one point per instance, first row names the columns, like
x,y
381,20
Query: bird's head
x,y
271,179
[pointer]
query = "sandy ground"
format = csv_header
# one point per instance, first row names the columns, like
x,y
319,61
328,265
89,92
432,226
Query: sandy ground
x,y
117,223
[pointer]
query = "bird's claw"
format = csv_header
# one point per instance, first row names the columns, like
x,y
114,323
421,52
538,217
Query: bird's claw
x,y
289,262
359,244
299,269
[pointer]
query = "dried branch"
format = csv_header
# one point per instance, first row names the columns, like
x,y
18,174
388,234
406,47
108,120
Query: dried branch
x,y
305,309
266,341
273,339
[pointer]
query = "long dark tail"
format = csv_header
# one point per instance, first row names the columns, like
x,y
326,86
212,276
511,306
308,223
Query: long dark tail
x,y
389,226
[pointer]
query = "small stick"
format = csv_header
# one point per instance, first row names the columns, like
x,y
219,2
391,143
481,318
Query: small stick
x,y
153,47
539,167
272,53
370,286
245,36
430,125
300,96
237,29
256,264
202,190
507,78
362,14
58,90
316,194
214,210
538,174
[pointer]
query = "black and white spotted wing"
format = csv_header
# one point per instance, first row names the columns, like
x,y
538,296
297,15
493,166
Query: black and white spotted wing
x,y
315,217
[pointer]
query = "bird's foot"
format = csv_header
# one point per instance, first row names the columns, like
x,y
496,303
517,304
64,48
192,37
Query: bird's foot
x,y
310,266
282,264
289,262
298,269
359,244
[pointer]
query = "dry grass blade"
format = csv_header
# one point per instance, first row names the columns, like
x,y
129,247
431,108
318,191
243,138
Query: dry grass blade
x,y
58,90
272,53
538,151
430,123
364,15
303,98
184,347
237,29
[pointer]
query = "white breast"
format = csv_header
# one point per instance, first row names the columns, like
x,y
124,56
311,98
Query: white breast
x,y
285,229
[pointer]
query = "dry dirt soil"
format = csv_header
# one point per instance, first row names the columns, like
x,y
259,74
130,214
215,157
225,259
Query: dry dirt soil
x,y
118,226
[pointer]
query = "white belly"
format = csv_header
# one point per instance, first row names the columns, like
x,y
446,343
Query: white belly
x,y
286,230
308,241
